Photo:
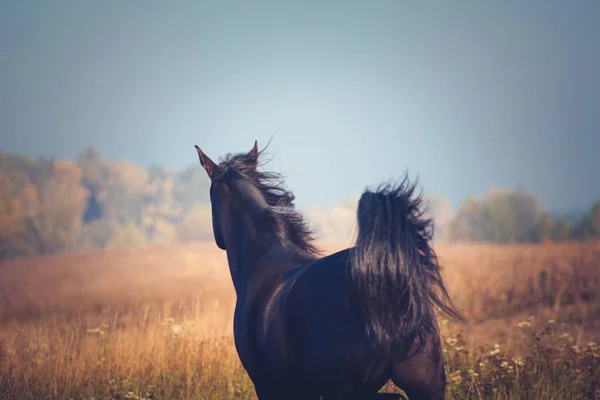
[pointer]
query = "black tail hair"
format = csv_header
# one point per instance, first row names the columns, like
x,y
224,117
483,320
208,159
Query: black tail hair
x,y
394,270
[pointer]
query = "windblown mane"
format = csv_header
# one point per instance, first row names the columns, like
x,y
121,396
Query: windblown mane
x,y
279,199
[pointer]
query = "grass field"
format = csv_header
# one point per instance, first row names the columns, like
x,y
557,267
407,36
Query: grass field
x,y
156,324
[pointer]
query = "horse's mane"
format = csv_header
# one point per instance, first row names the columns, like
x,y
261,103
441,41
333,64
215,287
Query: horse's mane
x,y
280,200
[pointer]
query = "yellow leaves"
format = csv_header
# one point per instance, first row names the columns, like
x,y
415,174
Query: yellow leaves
x,y
67,171
197,224
128,236
130,175
11,214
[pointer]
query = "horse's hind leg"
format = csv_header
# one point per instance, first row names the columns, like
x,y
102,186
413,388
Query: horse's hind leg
x,y
422,376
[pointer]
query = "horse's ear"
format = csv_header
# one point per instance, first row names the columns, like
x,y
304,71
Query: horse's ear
x,y
253,154
209,166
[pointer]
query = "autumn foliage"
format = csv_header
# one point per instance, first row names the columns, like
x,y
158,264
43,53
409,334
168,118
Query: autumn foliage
x,y
50,206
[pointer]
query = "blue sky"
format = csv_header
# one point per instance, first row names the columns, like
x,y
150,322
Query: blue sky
x,y
468,95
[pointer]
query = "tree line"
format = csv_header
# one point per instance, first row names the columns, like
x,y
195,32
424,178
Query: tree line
x,y
514,216
49,206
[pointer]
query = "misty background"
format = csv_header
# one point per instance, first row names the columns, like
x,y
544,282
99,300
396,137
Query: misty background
x,y
494,106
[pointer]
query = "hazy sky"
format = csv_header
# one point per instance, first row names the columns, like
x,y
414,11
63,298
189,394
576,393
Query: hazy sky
x,y
468,95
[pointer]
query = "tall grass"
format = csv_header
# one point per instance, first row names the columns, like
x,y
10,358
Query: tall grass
x,y
156,324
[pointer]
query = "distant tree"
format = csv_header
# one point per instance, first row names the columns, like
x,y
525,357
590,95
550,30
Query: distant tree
x,y
156,172
94,171
16,238
122,205
561,231
498,220
129,175
589,225
191,187
440,210
12,226
48,206
595,219
55,210
196,225
502,216
19,171
162,231
128,236
161,206
97,234
95,176
528,211
124,189
545,230
467,224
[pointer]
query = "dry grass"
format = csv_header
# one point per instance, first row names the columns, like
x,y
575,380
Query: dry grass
x,y
156,323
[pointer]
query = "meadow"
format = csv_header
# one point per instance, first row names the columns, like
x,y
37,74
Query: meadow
x,y
156,323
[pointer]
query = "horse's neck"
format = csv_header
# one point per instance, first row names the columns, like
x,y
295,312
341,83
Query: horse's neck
x,y
244,251
250,251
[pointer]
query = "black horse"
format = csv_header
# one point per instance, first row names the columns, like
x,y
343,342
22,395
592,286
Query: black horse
x,y
336,327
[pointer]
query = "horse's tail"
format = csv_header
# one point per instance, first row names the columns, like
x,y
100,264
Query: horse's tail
x,y
394,271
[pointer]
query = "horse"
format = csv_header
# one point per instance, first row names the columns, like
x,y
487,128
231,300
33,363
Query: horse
x,y
308,326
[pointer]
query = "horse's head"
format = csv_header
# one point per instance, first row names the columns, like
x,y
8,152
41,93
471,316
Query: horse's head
x,y
235,194
244,198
